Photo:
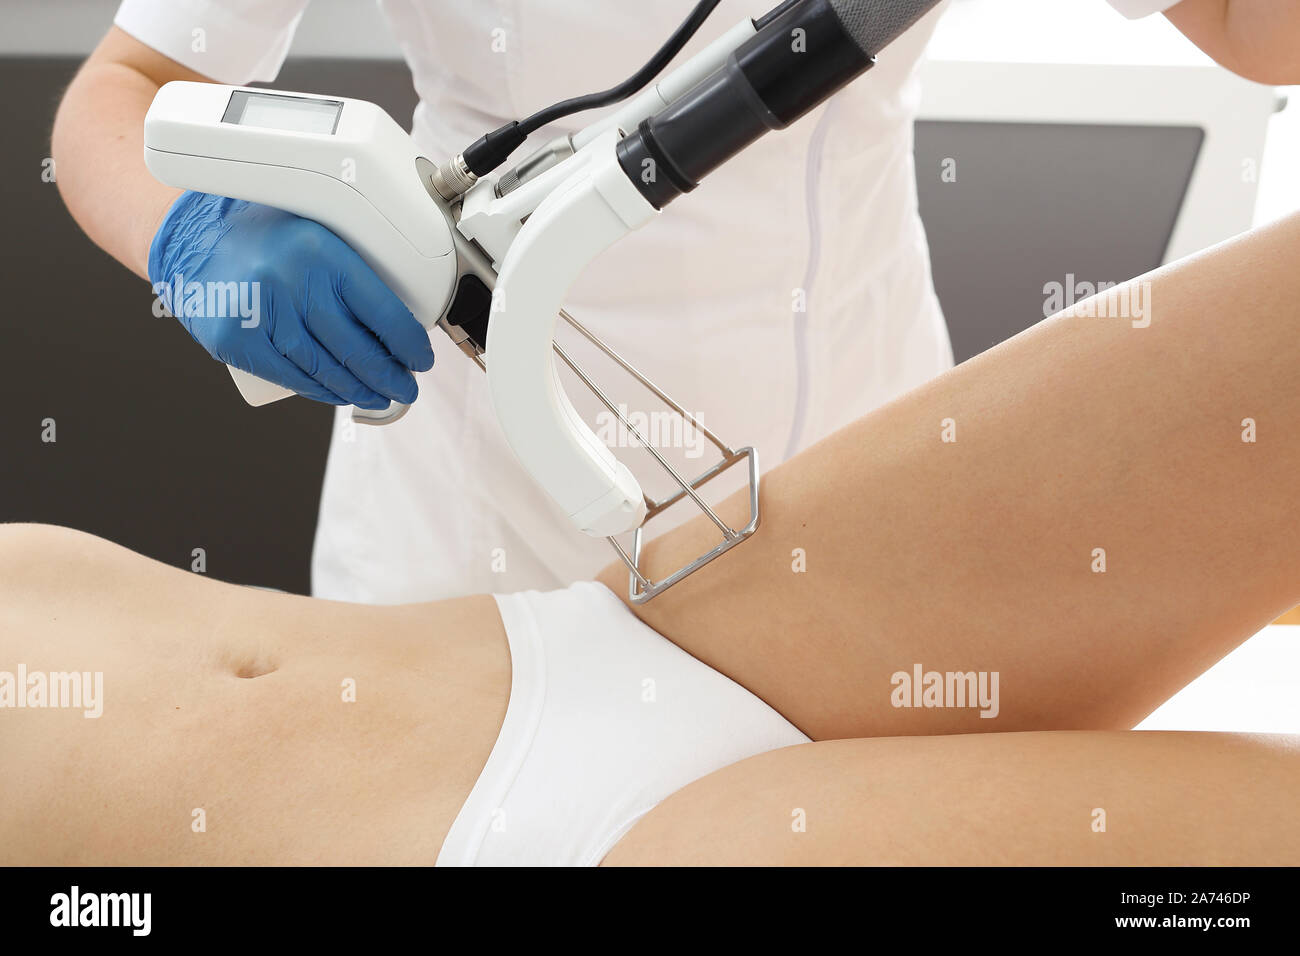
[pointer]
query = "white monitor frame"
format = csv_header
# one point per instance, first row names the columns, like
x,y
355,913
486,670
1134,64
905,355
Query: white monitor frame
x,y
1234,113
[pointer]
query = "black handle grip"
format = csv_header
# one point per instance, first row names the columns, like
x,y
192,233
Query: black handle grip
x,y
874,24
803,53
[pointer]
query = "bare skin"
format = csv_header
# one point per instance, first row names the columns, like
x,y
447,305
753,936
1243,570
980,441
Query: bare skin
x,y
976,555
1253,38
230,700
98,147
1029,799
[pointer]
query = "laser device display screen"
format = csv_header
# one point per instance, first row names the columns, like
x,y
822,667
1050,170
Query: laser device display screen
x,y
296,114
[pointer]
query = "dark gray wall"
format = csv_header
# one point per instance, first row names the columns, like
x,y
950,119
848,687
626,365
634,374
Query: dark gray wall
x,y
1033,204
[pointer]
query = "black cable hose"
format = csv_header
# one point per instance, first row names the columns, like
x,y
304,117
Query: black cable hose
x,y
489,152
633,84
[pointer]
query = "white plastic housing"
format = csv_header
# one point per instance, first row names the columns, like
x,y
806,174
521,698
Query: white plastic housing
x,y
595,207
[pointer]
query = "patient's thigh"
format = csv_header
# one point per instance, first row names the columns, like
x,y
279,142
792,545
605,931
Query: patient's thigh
x,y
237,726
1049,798
1098,535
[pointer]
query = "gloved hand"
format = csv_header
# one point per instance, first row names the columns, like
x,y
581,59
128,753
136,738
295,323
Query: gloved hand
x,y
325,325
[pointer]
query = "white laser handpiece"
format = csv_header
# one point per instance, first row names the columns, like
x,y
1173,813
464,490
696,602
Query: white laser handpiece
x,y
341,162
347,165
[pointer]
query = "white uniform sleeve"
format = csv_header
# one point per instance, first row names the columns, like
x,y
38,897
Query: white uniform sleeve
x,y
230,41
1136,9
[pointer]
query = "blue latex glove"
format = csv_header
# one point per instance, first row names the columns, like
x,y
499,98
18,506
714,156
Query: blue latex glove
x,y
326,325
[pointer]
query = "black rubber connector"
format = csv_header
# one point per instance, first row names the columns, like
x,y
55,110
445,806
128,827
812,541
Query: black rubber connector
x,y
489,152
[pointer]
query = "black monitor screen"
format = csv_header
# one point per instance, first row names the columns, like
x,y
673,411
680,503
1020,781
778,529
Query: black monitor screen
x,y
1010,208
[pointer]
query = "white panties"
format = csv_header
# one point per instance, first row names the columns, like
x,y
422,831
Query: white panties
x,y
606,718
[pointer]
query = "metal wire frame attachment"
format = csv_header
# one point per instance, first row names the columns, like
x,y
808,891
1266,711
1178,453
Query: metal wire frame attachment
x,y
640,588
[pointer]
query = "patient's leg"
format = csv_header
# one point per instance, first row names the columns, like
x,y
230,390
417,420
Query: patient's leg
x,y
1037,799
1081,440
